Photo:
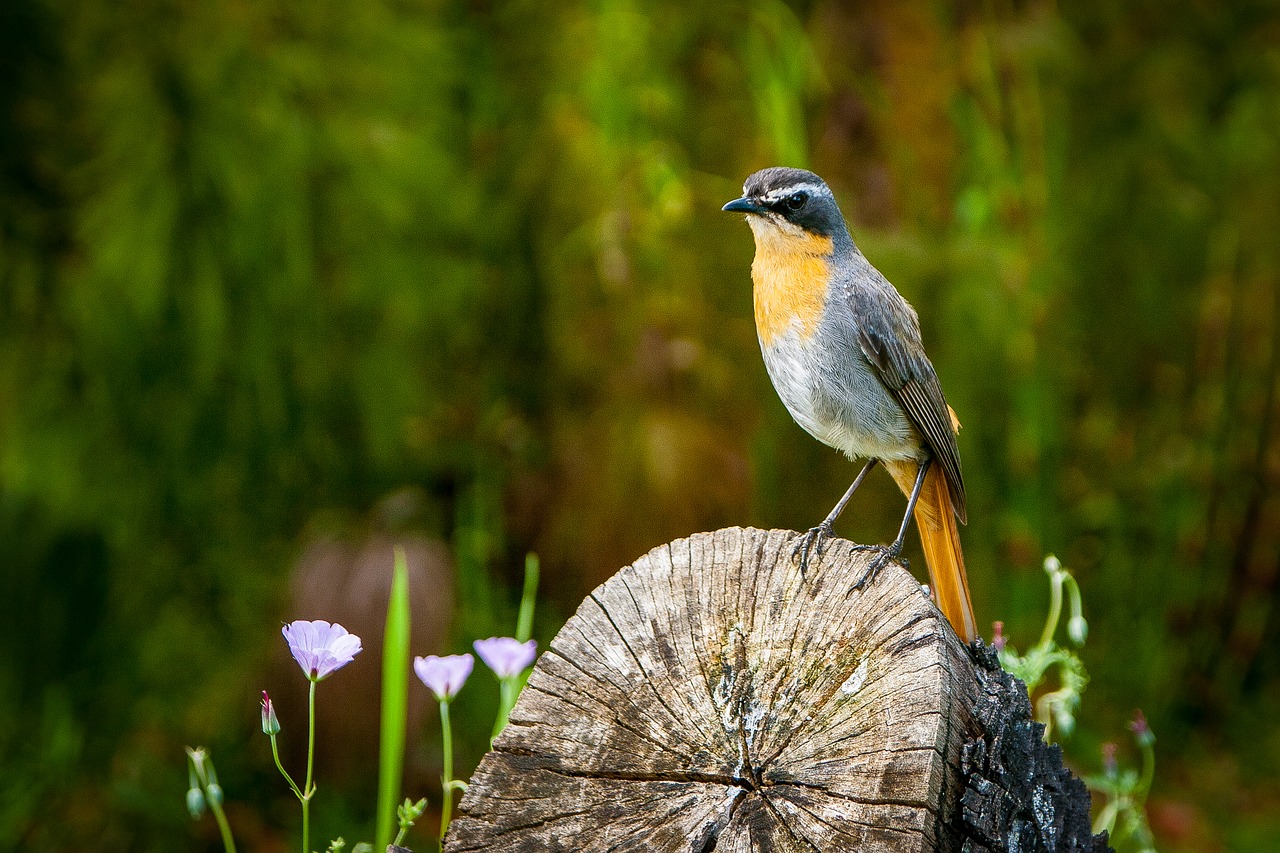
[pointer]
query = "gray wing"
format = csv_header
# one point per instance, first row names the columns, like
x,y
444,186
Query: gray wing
x,y
889,336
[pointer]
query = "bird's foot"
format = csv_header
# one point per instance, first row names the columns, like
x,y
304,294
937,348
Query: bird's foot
x,y
883,556
812,542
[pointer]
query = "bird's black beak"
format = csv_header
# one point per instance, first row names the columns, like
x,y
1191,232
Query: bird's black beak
x,y
744,205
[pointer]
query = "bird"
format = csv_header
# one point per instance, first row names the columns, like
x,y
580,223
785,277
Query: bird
x,y
843,350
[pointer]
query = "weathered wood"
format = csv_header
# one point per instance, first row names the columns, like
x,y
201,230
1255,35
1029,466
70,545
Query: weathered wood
x,y
1018,796
710,698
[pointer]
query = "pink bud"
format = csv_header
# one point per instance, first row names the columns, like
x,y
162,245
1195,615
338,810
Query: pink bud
x,y
270,725
1141,731
1109,758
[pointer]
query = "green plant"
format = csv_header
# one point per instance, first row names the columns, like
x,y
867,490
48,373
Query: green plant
x,y
1056,707
321,649
1123,815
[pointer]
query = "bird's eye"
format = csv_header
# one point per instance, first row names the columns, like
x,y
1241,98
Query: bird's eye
x,y
795,201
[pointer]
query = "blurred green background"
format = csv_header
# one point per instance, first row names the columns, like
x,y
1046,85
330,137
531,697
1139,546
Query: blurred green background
x,y
275,274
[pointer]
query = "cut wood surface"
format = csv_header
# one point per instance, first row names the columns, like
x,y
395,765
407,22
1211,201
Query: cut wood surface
x,y
709,697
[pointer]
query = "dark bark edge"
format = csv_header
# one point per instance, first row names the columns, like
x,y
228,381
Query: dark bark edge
x,y
1018,796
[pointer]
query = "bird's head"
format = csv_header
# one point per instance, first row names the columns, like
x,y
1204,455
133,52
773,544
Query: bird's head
x,y
787,205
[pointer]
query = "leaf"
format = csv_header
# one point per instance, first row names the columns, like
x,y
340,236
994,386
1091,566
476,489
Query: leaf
x,y
395,688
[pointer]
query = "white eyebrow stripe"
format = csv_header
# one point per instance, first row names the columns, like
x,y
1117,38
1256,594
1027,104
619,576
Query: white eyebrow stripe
x,y
783,192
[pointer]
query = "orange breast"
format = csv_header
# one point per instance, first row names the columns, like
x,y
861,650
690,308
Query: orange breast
x,y
790,274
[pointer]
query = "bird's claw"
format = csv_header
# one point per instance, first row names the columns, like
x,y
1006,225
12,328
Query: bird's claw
x,y
883,556
814,541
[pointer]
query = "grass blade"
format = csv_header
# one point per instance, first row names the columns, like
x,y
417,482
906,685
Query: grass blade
x,y
395,688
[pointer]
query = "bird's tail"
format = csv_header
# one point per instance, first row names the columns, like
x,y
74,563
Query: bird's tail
x,y
941,541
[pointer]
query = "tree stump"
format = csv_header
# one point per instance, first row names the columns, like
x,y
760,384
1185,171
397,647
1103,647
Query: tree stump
x,y
1017,795
709,697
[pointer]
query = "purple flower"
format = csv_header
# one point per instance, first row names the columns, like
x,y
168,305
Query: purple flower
x,y
444,676
505,656
320,648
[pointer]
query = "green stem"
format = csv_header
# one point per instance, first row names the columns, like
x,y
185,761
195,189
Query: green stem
x,y
228,843
1073,589
311,756
506,701
306,824
1107,818
1055,610
1148,772
275,753
524,622
446,782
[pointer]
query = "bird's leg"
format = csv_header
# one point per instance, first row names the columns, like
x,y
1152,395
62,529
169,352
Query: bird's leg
x,y
816,537
883,554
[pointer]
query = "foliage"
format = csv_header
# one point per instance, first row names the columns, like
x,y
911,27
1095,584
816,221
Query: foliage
x,y
1055,707
263,264
1124,794
1123,815
322,648
203,789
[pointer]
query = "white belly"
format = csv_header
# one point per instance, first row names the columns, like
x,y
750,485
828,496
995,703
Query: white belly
x,y
836,398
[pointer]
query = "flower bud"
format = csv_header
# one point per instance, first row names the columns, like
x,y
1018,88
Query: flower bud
x,y
1063,718
214,793
1109,765
1077,630
1141,731
270,724
411,811
195,802
997,636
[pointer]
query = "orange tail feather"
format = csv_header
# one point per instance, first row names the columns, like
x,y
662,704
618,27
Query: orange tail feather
x,y
941,540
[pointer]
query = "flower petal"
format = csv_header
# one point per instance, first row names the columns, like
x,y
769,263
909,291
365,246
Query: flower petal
x,y
506,656
347,645
319,647
443,676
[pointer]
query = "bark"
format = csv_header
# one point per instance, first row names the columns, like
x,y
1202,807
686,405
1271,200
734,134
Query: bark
x,y
1018,795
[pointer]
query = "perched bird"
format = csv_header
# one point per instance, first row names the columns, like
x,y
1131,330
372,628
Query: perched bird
x,y
843,350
